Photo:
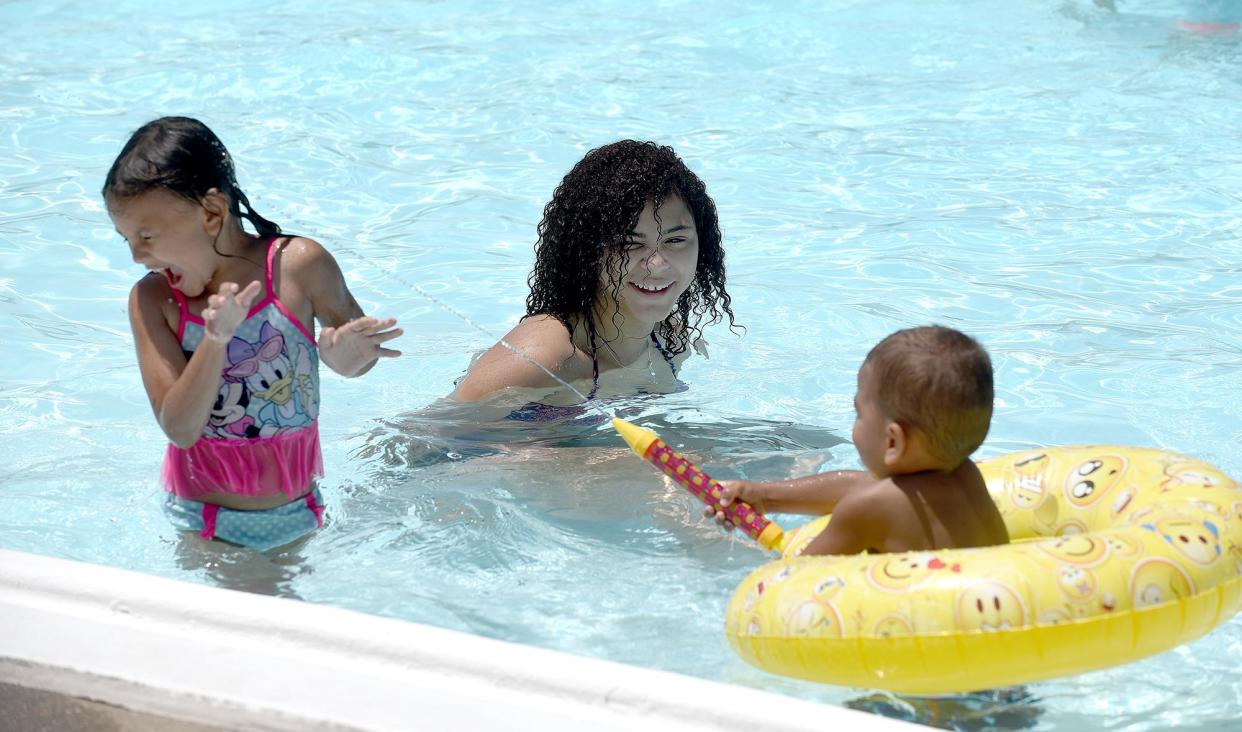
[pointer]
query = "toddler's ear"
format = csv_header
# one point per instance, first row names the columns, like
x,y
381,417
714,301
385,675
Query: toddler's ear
x,y
896,442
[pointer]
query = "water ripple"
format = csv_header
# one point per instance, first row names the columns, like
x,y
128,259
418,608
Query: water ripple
x,y
1059,180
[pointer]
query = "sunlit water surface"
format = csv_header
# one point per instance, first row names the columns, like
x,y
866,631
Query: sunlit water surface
x,y
1061,181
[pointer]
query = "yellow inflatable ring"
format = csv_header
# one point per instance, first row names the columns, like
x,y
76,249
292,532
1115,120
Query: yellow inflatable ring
x,y
1118,553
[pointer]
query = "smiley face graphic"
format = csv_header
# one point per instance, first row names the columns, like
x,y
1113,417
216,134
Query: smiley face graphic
x,y
1197,540
1084,550
1077,583
1026,480
1123,546
1092,480
1071,527
990,606
1026,483
901,572
763,585
1156,581
1208,507
892,624
1053,616
810,618
1192,474
828,588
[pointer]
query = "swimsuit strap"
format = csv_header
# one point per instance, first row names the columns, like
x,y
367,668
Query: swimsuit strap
x,y
268,275
668,357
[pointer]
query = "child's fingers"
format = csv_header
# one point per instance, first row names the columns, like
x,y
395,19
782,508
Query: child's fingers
x,y
387,353
326,335
387,335
370,325
247,296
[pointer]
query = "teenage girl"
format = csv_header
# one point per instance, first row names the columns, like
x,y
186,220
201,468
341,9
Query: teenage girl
x,y
628,267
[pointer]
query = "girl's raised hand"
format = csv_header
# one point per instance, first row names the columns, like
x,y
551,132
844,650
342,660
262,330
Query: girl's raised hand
x,y
227,309
351,348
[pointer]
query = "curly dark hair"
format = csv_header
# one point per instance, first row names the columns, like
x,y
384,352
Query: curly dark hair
x,y
596,205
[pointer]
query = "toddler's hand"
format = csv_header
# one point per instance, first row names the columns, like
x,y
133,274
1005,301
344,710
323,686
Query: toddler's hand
x,y
227,309
352,347
734,490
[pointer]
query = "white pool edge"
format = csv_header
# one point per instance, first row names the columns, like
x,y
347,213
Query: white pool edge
x,y
230,658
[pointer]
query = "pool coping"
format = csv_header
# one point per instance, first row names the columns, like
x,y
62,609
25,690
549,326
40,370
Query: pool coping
x,y
222,657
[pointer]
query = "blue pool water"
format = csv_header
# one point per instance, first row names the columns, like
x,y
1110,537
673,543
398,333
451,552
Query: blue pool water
x,y
1061,181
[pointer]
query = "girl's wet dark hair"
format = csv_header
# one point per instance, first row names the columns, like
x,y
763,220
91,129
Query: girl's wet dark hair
x,y
584,225
182,156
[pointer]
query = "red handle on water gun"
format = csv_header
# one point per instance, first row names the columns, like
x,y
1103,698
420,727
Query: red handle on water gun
x,y
648,445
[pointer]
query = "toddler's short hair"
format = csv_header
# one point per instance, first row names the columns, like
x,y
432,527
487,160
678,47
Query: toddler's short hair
x,y
938,382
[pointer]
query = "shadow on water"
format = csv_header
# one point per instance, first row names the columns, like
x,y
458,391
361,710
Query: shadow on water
x,y
572,478
998,709
239,568
448,431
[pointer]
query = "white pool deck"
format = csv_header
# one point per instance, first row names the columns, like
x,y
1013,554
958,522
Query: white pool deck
x,y
80,639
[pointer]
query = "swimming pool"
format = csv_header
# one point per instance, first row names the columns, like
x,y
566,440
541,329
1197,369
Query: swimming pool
x,y
1060,181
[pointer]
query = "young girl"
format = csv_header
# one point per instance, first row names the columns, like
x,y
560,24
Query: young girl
x,y
627,267
231,370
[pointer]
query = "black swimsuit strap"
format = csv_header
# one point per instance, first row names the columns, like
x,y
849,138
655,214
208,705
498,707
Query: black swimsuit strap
x,y
668,358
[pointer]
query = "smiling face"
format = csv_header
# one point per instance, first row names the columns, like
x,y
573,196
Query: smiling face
x,y
663,254
990,606
900,572
1196,540
1092,480
1078,549
230,405
167,233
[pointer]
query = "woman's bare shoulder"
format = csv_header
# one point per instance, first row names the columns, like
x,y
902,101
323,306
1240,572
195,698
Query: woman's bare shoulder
x,y
521,357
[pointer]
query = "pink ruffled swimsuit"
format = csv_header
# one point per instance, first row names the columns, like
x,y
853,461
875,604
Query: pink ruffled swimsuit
x,y
262,437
